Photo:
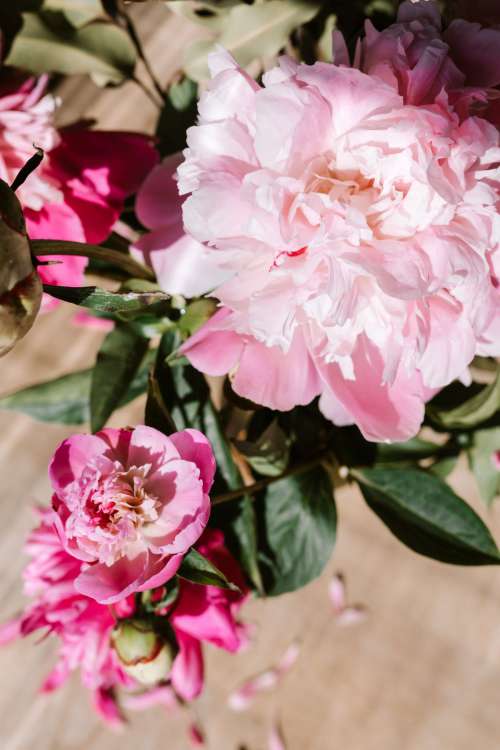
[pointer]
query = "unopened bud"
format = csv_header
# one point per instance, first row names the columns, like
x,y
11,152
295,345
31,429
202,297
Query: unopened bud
x,y
20,285
144,654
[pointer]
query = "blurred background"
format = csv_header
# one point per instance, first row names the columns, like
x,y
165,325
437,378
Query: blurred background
x,y
420,672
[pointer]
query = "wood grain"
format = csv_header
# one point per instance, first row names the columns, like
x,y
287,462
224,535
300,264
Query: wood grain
x,y
423,671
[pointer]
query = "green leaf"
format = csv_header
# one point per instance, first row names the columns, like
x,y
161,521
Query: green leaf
x,y
244,527
412,450
118,361
252,32
197,569
77,12
270,453
481,407
100,49
300,522
485,443
115,303
178,114
66,399
427,516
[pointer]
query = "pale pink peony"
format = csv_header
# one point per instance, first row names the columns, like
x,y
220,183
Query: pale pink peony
x,y
206,614
130,503
360,236
79,190
82,626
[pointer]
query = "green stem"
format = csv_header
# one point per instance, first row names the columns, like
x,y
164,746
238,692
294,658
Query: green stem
x,y
136,41
148,93
95,252
252,489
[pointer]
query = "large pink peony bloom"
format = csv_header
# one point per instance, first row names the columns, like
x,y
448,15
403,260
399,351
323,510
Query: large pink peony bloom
x,y
206,614
79,190
130,503
82,626
360,235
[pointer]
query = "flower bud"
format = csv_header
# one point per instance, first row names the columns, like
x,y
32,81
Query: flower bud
x,y
144,654
20,286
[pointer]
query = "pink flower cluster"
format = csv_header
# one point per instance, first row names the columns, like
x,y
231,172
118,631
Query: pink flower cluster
x,y
78,192
128,505
346,218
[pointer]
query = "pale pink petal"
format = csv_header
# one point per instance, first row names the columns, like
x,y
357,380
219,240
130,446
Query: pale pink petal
x,y
10,630
276,740
72,456
162,695
211,350
337,593
352,615
241,698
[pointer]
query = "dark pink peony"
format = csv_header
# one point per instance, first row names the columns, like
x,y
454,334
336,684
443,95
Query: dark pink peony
x,y
130,503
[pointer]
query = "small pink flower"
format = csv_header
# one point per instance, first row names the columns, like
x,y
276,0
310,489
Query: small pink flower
x,y
206,614
79,190
130,503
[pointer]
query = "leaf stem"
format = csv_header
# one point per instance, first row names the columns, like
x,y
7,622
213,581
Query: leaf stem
x,y
96,252
252,489
136,41
148,93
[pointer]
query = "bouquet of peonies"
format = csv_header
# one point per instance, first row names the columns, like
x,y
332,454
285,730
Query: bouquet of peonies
x,y
300,274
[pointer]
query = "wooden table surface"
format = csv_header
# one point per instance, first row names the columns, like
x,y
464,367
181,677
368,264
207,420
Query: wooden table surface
x,y
421,673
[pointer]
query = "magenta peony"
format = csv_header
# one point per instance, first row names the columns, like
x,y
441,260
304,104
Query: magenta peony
x,y
130,503
359,232
87,630
79,190
82,626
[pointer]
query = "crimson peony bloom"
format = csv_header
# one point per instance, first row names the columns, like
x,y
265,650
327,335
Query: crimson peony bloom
x,y
78,191
358,231
130,504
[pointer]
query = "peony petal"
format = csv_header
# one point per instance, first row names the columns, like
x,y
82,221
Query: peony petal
x,y
107,707
162,695
193,446
241,699
276,740
211,350
158,202
196,735
110,584
187,670
72,456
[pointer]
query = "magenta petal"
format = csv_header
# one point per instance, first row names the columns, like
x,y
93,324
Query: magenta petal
x,y
187,670
110,584
107,707
158,201
194,446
